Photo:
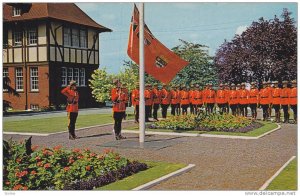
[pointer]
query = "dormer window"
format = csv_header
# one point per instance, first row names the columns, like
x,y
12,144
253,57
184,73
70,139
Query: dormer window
x,y
16,11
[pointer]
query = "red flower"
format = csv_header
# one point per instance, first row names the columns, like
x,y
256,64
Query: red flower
x,y
25,188
76,150
37,158
79,157
17,187
100,156
47,165
92,154
67,168
7,183
88,168
47,152
39,164
33,172
34,147
21,174
57,148
19,160
106,150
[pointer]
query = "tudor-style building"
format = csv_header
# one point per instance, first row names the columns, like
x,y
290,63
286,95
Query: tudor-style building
x,y
45,45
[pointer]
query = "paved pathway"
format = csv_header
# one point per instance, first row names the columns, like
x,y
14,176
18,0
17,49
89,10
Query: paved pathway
x,y
221,164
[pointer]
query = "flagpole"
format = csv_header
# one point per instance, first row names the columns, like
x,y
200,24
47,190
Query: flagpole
x,y
142,75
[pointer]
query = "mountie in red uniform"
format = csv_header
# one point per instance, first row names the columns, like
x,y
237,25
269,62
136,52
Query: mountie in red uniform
x,y
119,98
72,107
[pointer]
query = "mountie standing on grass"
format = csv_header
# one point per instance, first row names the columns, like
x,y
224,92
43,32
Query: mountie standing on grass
x,y
72,107
119,98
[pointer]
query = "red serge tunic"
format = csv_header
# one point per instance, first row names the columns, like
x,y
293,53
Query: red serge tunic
x,y
118,98
293,96
72,97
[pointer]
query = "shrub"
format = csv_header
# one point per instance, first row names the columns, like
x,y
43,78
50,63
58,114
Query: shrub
x,y
184,122
206,122
54,168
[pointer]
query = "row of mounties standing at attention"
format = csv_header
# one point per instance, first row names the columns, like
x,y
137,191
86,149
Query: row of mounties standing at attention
x,y
228,97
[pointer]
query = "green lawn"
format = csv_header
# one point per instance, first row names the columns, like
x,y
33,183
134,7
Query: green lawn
x,y
267,126
287,179
56,124
156,170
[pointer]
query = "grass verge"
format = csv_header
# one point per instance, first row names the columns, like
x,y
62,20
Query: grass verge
x,y
267,126
156,170
287,179
56,124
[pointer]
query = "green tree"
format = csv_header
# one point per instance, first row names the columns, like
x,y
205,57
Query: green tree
x,y
201,69
101,85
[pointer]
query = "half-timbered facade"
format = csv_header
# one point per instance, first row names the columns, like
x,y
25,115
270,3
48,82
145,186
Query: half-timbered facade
x,y
45,45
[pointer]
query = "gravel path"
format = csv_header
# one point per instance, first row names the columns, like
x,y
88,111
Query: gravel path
x,y
221,164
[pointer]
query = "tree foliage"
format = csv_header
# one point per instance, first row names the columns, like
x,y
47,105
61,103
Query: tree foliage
x,y
200,70
267,50
101,85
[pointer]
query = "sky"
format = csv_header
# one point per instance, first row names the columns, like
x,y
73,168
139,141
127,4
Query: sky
x,y
198,22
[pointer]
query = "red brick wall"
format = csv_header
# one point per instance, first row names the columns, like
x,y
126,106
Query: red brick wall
x,y
40,98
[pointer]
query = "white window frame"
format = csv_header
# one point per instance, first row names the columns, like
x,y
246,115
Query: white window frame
x,y
34,79
75,37
69,75
19,79
83,38
64,76
17,11
18,38
5,75
67,36
34,107
76,75
32,36
82,77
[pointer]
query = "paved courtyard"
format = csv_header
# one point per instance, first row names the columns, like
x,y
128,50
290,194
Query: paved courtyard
x,y
221,164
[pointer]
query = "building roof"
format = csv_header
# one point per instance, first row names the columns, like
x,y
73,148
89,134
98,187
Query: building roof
x,y
60,11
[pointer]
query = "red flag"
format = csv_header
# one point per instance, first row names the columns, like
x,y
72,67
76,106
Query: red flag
x,y
160,62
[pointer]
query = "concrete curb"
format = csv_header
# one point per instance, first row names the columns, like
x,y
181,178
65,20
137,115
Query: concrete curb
x,y
31,134
47,134
205,135
166,177
164,133
268,182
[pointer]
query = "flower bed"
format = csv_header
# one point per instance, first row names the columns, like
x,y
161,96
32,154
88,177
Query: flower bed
x,y
184,122
29,168
207,122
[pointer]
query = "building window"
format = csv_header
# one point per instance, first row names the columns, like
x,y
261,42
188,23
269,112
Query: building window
x,y
16,11
32,36
82,77
67,36
18,38
70,74
75,37
34,79
5,38
83,39
19,79
64,76
76,75
5,79
34,106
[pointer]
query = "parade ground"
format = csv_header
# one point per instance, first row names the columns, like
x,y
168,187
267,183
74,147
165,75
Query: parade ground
x,y
220,163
